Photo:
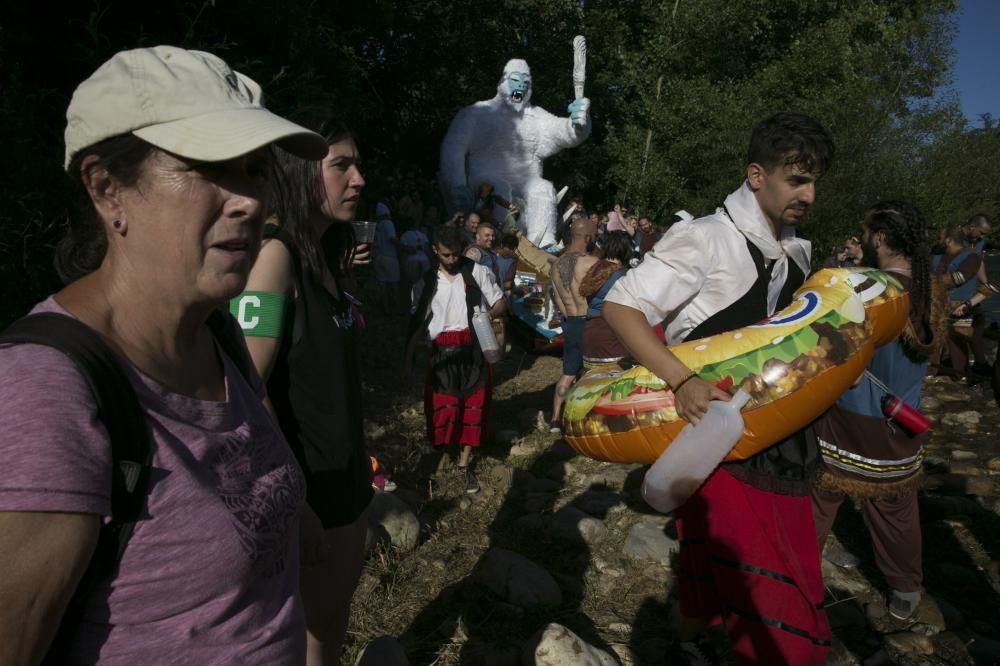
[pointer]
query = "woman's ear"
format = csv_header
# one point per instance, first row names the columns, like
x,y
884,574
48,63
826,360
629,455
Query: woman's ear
x,y
105,193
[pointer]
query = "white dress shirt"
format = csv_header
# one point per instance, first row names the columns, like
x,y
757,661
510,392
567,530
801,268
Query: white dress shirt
x,y
701,267
448,310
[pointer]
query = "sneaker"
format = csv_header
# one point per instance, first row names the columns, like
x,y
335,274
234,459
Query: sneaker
x,y
471,482
696,653
382,482
380,479
902,605
555,427
837,555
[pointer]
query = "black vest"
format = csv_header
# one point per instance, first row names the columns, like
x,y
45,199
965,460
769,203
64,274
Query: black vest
x,y
457,370
789,466
315,385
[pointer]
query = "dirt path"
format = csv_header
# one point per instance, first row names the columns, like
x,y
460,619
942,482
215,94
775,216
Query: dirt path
x,y
611,557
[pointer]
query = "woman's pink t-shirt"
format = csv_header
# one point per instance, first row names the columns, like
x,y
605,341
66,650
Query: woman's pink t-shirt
x,y
210,573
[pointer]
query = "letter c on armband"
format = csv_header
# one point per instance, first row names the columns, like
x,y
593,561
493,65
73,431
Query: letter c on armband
x,y
259,313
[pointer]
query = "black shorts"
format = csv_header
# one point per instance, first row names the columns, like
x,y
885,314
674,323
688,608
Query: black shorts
x,y
340,496
573,344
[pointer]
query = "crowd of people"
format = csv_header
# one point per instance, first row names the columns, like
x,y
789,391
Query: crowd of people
x,y
256,488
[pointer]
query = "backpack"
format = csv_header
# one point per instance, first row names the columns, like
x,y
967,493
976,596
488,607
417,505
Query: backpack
x,y
131,445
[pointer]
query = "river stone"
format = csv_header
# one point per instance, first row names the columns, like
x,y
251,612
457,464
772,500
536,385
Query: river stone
x,y
980,486
609,476
876,611
517,579
647,542
383,651
626,656
576,524
598,503
656,520
395,518
928,403
966,467
905,642
521,450
928,618
962,419
961,454
560,450
935,465
555,645
845,581
622,628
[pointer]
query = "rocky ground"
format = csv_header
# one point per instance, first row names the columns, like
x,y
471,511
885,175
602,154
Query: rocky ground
x,y
558,561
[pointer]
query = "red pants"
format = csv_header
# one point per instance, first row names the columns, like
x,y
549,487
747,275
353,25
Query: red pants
x,y
749,560
458,420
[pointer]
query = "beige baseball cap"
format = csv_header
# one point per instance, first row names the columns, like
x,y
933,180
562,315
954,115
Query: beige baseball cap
x,y
189,103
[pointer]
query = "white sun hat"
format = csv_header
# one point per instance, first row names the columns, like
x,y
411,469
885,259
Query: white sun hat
x,y
189,103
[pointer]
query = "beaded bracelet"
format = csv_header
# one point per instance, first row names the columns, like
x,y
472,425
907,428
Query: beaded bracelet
x,y
684,380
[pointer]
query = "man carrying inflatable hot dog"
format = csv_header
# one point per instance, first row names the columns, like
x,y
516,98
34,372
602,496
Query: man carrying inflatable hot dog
x,y
749,557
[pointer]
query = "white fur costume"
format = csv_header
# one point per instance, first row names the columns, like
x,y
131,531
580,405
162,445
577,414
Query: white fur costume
x,y
503,143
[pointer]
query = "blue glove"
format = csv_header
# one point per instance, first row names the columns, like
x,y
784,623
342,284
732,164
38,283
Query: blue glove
x,y
578,110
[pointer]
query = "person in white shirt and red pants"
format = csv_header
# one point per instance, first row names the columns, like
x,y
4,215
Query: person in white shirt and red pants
x,y
459,380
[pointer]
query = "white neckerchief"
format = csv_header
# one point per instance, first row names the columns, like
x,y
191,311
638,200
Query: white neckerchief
x,y
749,219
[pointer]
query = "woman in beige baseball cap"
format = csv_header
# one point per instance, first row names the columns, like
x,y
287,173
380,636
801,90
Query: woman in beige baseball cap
x,y
172,149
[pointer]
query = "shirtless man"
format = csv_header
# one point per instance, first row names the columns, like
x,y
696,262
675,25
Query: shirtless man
x,y
566,275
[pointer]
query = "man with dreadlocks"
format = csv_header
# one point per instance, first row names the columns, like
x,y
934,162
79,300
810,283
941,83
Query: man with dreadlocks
x,y
864,455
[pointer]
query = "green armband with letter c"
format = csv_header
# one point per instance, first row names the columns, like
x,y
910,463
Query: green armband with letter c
x,y
259,313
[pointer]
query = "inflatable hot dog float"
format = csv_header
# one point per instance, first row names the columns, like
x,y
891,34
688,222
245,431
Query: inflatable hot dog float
x,y
794,365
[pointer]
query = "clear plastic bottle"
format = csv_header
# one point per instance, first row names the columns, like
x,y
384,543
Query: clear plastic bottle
x,y
483,327
694,454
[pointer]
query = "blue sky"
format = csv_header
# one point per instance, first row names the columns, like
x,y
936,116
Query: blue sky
x,y
977,63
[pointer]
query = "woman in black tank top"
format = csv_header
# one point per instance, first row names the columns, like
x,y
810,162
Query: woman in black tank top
x,y
310,364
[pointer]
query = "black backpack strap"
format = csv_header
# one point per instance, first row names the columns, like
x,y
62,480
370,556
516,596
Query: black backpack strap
x,y
131,445
224,329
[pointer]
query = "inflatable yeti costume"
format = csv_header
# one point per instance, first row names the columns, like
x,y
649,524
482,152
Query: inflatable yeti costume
x,y
502,141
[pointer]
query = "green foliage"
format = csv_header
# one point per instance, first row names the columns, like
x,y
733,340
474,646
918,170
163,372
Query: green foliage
x,y
675,86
